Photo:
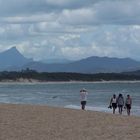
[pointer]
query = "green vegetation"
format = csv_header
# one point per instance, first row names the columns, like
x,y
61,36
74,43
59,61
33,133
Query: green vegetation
x,y
45,76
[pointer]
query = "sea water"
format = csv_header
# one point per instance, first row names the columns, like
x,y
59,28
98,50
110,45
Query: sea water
x,y
66,94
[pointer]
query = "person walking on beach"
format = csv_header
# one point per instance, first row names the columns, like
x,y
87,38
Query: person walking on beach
x,y
128,103
113,103
83,95
120,103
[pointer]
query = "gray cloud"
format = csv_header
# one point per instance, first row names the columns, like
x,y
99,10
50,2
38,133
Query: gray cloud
x,y
118,12
123,12
79,12
20,7
71,28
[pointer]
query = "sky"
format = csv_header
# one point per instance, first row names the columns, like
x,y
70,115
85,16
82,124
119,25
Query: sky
x,y
71,29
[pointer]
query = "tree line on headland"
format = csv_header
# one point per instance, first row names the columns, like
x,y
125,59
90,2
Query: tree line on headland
x,y
63,76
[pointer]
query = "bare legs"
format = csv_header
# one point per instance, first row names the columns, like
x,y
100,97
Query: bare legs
x,y
83,107
120,109
128,111
83,104
114,110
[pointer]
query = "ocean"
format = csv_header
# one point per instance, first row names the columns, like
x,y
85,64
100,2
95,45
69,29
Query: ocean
x,y
66,94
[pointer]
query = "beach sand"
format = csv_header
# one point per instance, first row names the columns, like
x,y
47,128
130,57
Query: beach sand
x,y
34,122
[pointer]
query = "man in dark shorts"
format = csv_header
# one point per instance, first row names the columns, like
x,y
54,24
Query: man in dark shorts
x,y
83,94
120,102
128,104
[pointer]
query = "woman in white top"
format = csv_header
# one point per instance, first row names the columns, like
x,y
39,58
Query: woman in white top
x,y
113,103
83,95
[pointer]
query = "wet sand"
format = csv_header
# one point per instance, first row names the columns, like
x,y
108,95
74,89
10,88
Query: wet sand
x,y
34,122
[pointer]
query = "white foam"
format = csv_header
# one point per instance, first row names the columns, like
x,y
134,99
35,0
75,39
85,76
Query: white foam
x,y
135,111
101,109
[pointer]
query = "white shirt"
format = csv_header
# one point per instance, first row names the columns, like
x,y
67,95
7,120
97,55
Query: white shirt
x,y
83,95
114,100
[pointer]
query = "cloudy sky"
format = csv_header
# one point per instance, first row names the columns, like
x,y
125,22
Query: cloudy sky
x,y
71,29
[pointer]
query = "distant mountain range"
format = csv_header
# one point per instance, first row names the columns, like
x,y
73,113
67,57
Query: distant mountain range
x,y
12,59
89,65
56,61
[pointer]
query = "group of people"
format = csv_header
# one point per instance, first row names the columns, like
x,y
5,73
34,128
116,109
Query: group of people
x,y
115,102
121,103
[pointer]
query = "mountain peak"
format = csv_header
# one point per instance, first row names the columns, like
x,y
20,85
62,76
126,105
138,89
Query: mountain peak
x,y
12,58
12,50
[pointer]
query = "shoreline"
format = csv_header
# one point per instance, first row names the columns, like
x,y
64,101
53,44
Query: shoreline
x,y
38,81
78,108
32,122
66,108
102,110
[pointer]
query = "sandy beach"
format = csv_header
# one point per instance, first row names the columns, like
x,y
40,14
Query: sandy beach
x,y
34,122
